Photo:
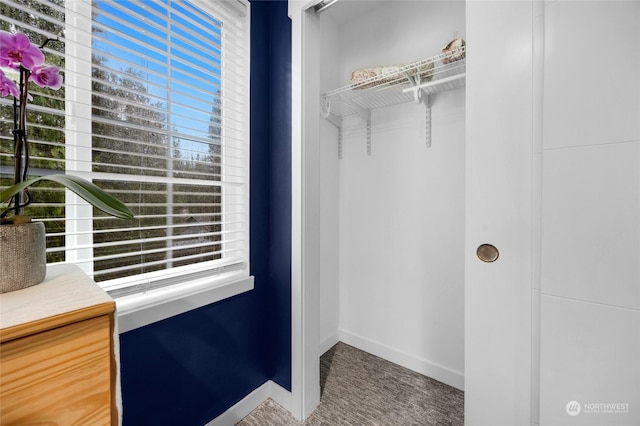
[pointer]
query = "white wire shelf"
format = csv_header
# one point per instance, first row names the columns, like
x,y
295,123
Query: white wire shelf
x,y
413,82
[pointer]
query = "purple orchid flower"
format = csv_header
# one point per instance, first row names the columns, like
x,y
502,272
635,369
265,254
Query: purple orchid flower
x,y
6,63
17,49
8,86
47,76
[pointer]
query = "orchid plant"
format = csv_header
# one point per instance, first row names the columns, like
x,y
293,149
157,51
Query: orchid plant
x,y
19,56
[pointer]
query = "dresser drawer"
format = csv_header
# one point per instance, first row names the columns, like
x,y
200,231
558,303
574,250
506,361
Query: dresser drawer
x,y
58,377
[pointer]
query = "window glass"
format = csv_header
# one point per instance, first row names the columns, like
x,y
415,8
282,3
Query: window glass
x,y
154,110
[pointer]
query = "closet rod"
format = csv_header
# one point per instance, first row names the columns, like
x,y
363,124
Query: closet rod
x,y
438,82
324,4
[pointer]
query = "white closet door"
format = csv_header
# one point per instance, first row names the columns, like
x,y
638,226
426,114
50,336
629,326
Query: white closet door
x,y
499,146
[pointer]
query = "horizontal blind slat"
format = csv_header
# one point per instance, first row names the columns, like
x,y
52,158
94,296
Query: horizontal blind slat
x,y
158,262
148,228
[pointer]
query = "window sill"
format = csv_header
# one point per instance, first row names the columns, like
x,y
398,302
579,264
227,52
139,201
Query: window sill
x,y
138,310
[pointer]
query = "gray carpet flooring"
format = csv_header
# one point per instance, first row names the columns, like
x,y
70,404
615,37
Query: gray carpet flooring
x,y
361,389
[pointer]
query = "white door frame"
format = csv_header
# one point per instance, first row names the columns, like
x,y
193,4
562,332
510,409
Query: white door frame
x,y
305,221
499,179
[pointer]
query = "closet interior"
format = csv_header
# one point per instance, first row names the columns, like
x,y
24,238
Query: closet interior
x,y
392,135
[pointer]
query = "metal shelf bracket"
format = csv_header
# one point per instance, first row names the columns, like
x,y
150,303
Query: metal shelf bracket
x,y
325,110
427,122
369,137
420,96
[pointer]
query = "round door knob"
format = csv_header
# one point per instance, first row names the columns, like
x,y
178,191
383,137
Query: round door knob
x,y
487,253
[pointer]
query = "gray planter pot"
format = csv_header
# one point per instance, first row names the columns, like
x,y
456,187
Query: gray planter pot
x,y
23,260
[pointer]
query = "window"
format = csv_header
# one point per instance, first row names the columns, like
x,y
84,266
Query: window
x,y
155,110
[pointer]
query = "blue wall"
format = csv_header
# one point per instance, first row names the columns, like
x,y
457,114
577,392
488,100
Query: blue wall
x,y
280,200
188,369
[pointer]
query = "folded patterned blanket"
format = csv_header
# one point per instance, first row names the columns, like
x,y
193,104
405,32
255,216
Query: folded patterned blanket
x,y
453,51
389,74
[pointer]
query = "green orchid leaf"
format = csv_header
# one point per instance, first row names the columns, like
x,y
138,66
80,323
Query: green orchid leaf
x,y
83,188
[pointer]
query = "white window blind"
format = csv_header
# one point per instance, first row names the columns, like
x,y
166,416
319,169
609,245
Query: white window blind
x,y
155,110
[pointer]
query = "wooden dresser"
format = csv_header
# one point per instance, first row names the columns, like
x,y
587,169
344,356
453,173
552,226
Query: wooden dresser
x,y
57,364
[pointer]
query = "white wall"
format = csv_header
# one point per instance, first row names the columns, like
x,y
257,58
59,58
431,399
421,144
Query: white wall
x,y
329,191
400,246
590,276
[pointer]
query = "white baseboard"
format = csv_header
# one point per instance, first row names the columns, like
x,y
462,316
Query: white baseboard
x,y
412,362
280,395
328,342
242,408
